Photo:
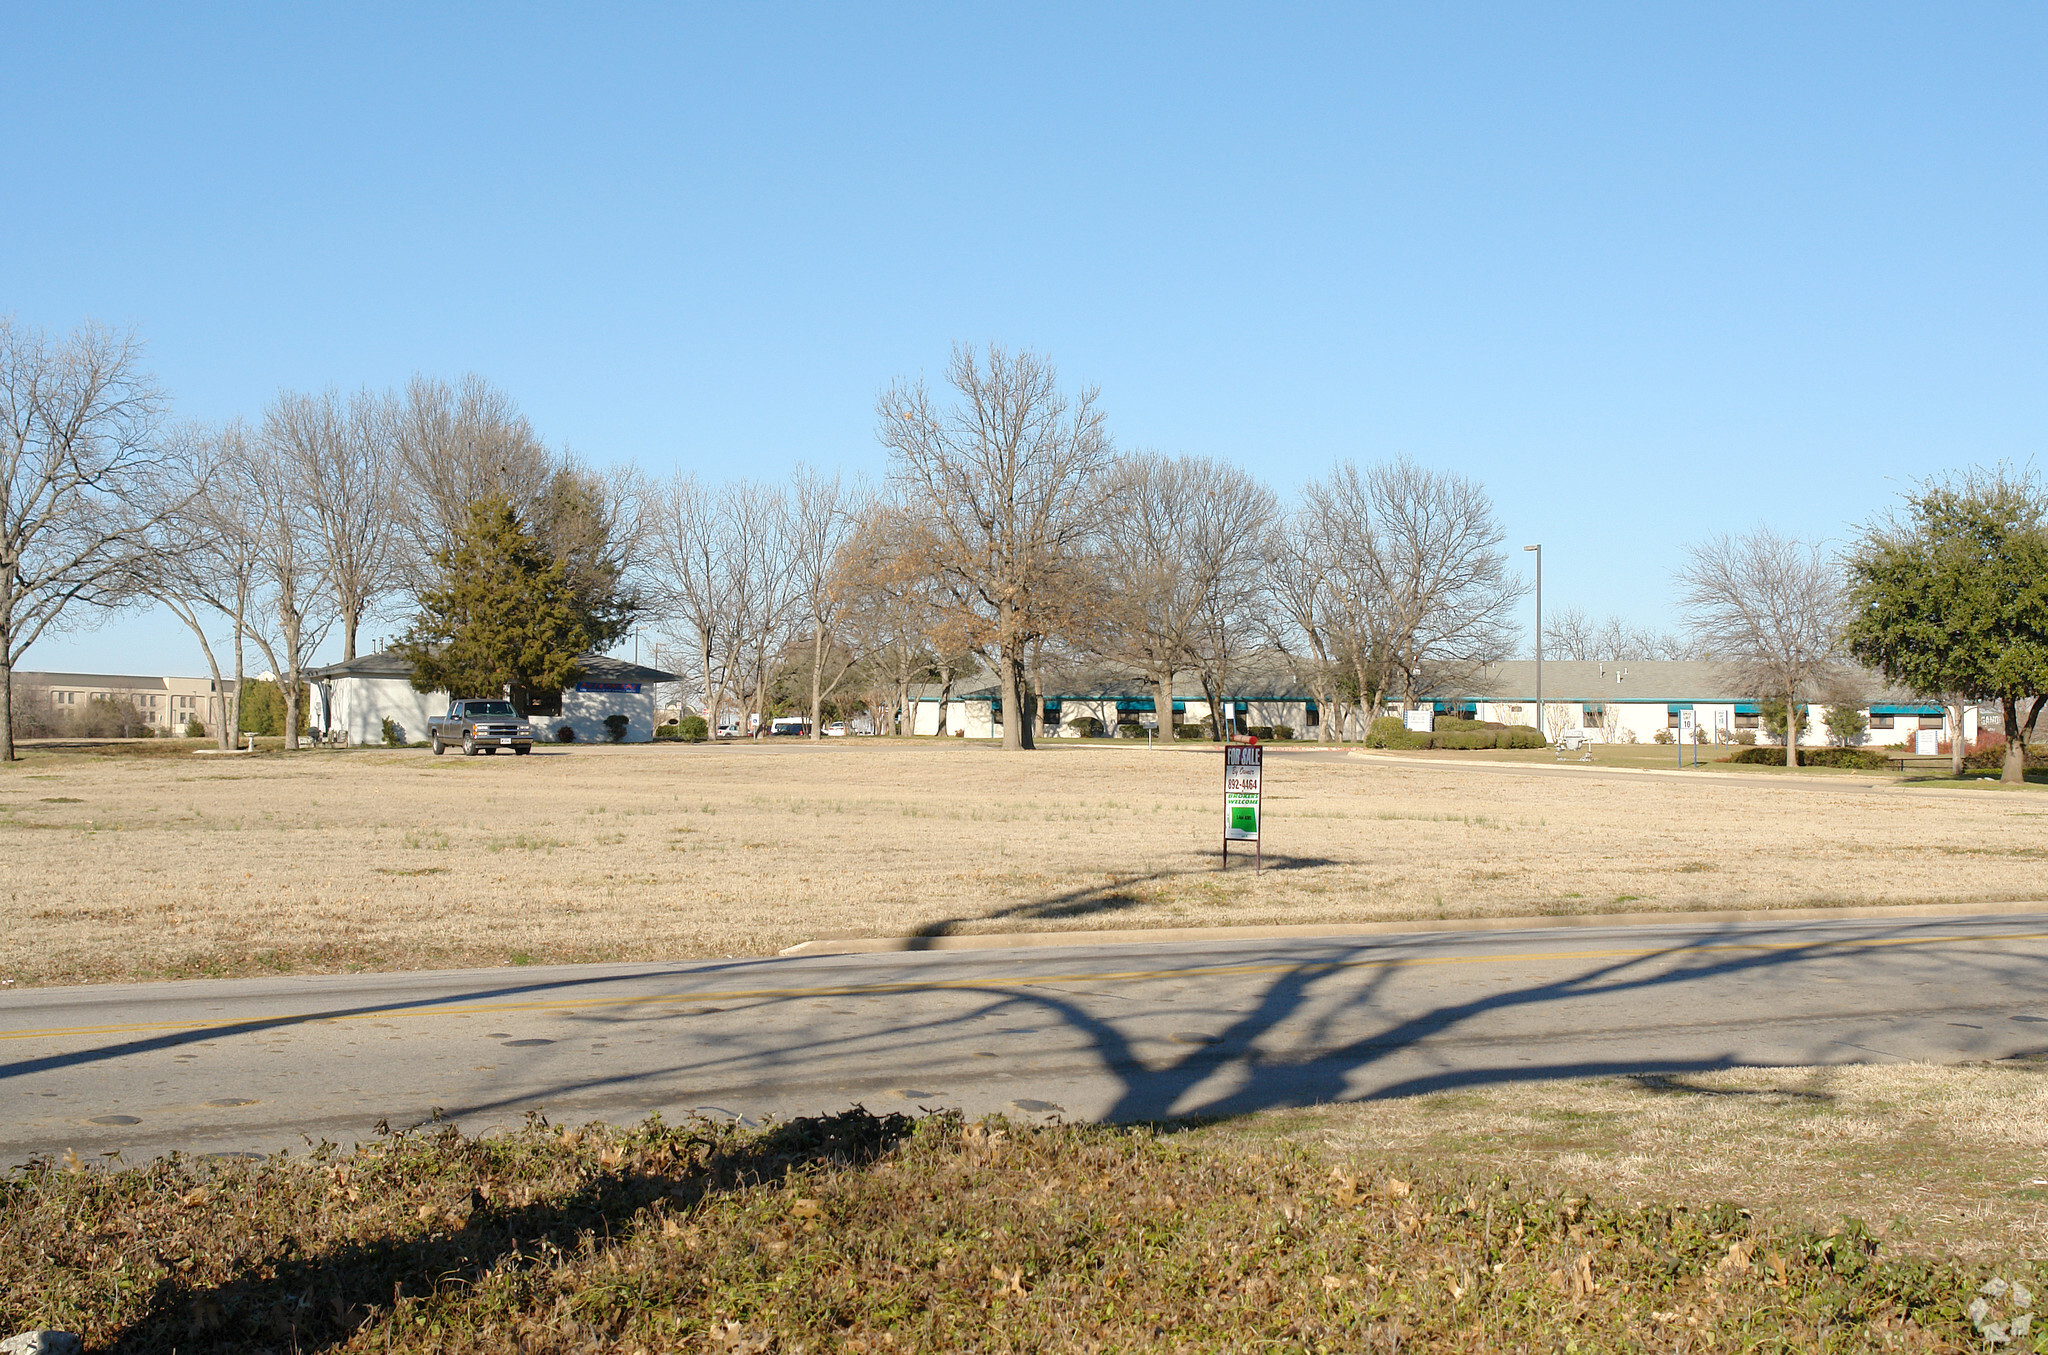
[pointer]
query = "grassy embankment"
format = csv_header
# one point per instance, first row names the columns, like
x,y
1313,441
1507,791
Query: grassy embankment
x,y
865,1234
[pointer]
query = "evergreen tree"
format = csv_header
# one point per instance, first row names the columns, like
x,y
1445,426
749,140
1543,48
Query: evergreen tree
x,y
503,616
1953,596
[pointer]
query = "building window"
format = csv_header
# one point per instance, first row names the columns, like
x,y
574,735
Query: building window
x,y
1671,719
1748,721
540,703
1930,722
1880,722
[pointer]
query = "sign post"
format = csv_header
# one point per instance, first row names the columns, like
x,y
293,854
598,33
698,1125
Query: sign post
x,y
1242,766
1688,733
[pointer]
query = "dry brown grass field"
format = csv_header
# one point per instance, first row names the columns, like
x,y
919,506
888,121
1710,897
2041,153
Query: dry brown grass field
x,y
179,865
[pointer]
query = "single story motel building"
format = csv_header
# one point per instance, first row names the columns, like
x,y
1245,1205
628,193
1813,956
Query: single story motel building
x,y
356,698
1621,702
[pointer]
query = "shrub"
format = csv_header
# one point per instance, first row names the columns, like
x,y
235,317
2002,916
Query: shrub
x,y
1857,759
194,730
1663,736
1283,731
1451,724
1260,732
1087,726
616,725
1521,736
1389,732
1191,731
565,734
1466,739
394,736
693,729
1992,758
1746,737
1129,729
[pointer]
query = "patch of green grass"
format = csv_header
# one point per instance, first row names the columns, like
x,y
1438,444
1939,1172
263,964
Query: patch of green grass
x,y
863,1233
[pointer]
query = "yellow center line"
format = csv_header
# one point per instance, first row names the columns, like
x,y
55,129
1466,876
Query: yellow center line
x,y
426,1007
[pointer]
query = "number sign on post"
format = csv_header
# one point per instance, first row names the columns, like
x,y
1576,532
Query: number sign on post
x,y
1242,765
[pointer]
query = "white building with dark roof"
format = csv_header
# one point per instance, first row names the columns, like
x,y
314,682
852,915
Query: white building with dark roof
x,y
356,697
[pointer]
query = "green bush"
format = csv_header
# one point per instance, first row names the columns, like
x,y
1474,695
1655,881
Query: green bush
x,y
1466,739
1389,732
565,734
1283,731
393,736
194,730
1522,736
1992,759
616,725
1129,729
693,729
1087,726
1191,731
1856,759
1451,724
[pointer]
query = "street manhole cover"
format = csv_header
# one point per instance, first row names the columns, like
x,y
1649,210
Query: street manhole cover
x,y
114,1119
526,1044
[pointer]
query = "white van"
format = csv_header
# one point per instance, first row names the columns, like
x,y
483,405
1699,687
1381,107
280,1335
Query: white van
x,y
789,724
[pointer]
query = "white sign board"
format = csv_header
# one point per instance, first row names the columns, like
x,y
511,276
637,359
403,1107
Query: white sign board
x,y
1242,765
1420,721
1927,741
1688,726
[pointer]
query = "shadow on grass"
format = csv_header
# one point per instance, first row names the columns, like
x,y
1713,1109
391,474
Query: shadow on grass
x,y
319,1299
1111,896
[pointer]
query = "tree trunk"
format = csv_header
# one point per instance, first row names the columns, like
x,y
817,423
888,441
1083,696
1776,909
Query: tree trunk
x,y
1791,730
349,621
945,696
1162,705
710,699
6,694
1016,728
291,708
1956,748
2014,772
817,676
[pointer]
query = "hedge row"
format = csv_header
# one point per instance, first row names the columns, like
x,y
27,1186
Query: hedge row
x,y
1389,732
1855,759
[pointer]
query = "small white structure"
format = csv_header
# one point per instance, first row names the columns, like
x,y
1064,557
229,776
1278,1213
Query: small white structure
x,y
356,697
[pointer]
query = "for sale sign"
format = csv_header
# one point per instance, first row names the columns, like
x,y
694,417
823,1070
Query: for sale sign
x,y
1241,768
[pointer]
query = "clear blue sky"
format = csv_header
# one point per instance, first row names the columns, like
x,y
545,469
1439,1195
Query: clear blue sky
x,y
1649,272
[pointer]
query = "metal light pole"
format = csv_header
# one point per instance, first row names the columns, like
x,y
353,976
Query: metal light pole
x,y
1539,639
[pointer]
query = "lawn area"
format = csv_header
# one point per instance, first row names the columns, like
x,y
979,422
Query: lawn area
x,y
864,1234
171,864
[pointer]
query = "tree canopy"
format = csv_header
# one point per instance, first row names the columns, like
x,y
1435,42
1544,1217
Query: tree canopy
x,y
1951,595
503,617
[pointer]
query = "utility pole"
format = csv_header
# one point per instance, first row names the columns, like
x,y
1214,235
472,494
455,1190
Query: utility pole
x,y
1539,639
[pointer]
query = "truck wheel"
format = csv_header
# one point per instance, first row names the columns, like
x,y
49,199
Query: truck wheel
x,y
520,752
439,747
468,746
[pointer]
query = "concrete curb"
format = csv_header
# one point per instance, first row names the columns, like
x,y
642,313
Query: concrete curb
x,y
882,945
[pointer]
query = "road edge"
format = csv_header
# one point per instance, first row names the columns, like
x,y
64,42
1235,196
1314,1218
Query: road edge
x,y
883,945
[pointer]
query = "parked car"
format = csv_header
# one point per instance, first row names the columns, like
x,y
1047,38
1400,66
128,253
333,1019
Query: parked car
x,y
836,730
480,727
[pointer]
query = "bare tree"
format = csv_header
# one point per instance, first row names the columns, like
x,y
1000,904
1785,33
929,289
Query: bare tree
x,y
690,568
1179,535
341,459
1311,623
1769,606
1449,595
295,585
208,574
80,486
454,446
1005,484
823,517
759,605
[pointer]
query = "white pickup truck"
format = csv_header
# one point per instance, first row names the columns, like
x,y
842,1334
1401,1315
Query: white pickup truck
x,y
480,727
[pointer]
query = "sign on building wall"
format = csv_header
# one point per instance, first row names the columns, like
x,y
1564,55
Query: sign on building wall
x,y
1243,764
608,687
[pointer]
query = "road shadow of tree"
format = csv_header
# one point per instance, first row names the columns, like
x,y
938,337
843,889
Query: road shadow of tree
x,y
320,1298
1114,895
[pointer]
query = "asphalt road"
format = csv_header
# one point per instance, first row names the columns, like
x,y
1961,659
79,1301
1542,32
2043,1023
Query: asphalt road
x,y
1082,1031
